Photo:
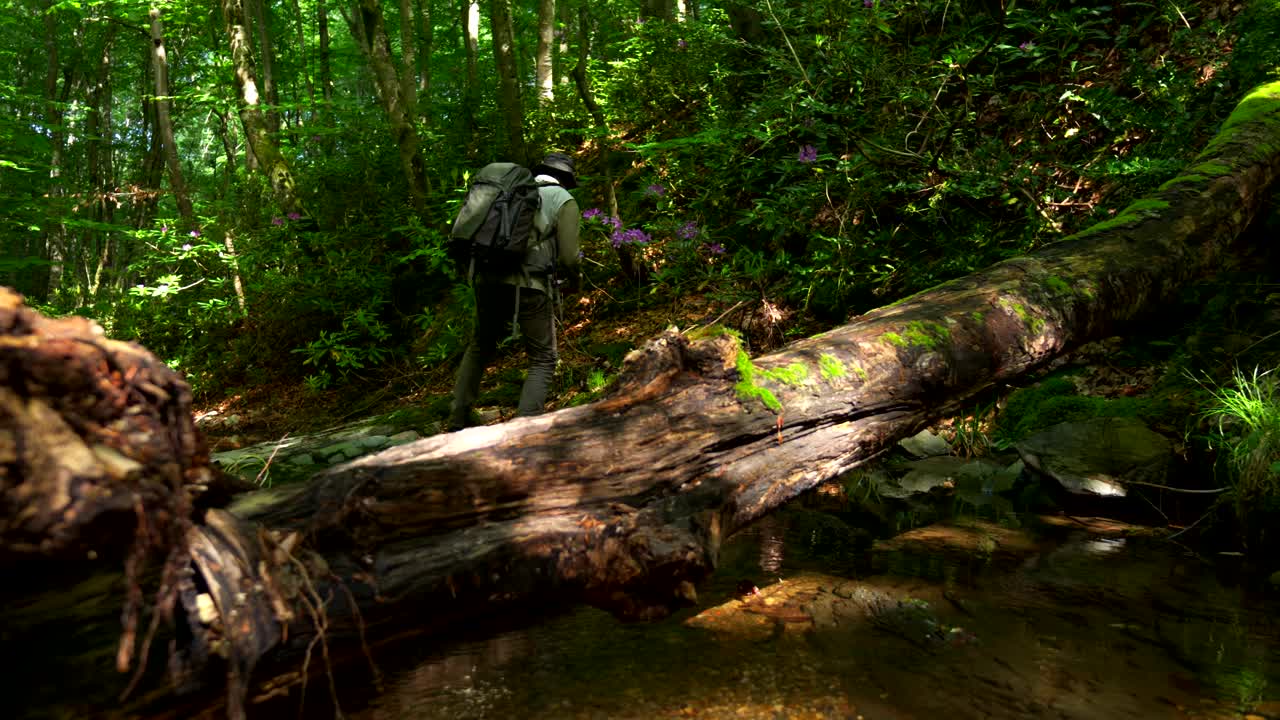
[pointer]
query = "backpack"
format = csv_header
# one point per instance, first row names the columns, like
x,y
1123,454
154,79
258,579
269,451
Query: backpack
x,y
494,231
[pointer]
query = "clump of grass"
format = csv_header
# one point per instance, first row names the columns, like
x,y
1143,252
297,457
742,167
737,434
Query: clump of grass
x,y
970,431
1246,414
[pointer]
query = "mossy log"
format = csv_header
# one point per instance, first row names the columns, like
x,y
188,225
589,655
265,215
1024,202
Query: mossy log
x,y
624,503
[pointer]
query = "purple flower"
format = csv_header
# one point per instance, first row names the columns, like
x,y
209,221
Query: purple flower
x,y
1027,46
655,190
294,216
164,228
615,222
682,44
808,153
688,231
186,247
634,236
277,221
868,3
195,233
714,248
590,213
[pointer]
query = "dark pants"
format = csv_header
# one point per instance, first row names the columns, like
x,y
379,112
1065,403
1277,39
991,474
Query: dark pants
x,y
495,308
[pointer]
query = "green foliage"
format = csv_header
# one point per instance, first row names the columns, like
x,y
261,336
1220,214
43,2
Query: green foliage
x,y
1055,400
357,346
1246,417
830,160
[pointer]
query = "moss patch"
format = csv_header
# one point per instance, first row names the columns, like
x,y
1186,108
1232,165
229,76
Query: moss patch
x,y
1182,180
793,374
831,368
1034,324
1264,100
1137,211
1054,401
927,334
746,387
1058,285
1212,169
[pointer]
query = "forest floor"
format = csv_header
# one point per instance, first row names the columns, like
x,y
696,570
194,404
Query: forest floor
x,y
597,331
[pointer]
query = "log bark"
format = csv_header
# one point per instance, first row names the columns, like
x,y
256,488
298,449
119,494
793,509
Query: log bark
x,y
624,503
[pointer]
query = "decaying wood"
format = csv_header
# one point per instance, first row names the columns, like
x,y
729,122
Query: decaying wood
x,y
97,442
624,503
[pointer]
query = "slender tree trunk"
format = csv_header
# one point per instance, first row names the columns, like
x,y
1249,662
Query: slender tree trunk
x,y
147,193
164,122
326,71
544,66
101,167
229,148
426,33
560,62
55,249
504,57
262,17
257,134
233,261
408,61
470,22
302,54
370,33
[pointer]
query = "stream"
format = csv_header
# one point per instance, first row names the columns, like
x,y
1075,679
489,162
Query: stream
x,y
1029,617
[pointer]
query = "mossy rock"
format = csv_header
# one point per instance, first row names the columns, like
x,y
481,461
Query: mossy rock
x,y
1055,401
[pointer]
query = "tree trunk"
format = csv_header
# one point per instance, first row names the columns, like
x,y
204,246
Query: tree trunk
x,y
561,58
55,249
470,21
504,57
301,39
326,69
408,61
426,34
624,503
262,17
101,167
164,122
256,131
544,66
370,33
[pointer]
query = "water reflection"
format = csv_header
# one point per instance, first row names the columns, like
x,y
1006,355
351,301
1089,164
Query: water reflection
x,y
988,622
772,538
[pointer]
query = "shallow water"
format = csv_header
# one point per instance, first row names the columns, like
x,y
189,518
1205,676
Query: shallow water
x,y
1080,620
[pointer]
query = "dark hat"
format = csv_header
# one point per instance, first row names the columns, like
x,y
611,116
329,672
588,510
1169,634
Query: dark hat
x,y
559,166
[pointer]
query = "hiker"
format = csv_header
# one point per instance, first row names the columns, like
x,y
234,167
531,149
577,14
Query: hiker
x,y
526,298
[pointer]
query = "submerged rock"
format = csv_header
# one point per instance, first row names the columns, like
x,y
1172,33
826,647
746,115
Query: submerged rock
x,y
1100,455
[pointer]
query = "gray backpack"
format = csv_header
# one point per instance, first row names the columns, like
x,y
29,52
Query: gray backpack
x,y
494,230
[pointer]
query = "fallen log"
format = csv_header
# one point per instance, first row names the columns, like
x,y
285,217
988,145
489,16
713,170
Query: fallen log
x,y
624,503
